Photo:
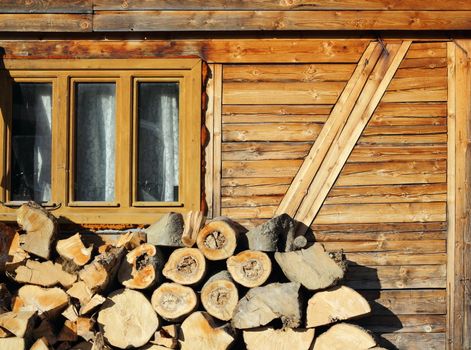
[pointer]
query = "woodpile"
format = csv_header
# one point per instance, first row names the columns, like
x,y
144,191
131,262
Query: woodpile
x,y
187,285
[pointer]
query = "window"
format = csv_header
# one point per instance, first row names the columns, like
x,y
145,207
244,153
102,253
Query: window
x,y
105,141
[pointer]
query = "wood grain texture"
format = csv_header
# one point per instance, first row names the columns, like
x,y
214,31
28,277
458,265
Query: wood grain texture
x,y
414,341
405,323
217,20
46,6
210,50
45,22
162,5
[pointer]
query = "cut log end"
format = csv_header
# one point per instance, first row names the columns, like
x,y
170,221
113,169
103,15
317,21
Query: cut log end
x,y
219,296
218,239
250,268
186,266
280,339
173,301
344,336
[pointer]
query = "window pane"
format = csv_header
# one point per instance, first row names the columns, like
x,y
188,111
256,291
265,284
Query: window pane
x,y
95,125
157,178
31,142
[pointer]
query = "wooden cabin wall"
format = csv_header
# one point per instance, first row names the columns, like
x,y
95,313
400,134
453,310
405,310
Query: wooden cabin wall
x,y
268,100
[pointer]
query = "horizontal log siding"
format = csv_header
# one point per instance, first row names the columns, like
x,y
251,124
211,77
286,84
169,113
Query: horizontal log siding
x,y
387,209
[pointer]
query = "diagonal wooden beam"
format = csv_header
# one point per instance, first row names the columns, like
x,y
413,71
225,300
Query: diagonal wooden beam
x,y
358,119
337,119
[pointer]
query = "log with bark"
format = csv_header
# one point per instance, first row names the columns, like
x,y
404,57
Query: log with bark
x,y
127,319
220,296
278,339
40,227
186,266
141,268
167,231
344,336
277,234
217,240
250,268
312,267
261,305
337,304
173,301
199,331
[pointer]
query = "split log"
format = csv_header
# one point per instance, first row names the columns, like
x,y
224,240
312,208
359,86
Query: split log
x,y
250,268
312,267
73,251
193,222
274,235
48,302
173,301
131,240
85,328
219,296
5,298
16,255
70,313
12,344
98,274
170,331
338,304
81,292
167,336
7,235
199,331
344,336
92,305
167,231
127,319
99,343
278,339
40,344
261,305
217,240
186,266
167,343
19,323
68,333
40,227
45,274
141,267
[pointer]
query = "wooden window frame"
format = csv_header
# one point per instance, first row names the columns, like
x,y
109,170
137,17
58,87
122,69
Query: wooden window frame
x,y
126,73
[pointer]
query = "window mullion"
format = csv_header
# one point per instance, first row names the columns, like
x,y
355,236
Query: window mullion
x,y
124,139
60,139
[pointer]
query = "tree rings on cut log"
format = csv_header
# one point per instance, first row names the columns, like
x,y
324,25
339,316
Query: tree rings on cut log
x,y
278,339
173,301
341,303
344,336
250,268
199,331
48,302
218,239
127,319
219,296
312,267
261,305
186,266
141,267
272,235
40,227
167,231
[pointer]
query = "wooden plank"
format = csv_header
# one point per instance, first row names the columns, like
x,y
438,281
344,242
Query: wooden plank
x,y
329,132
273,118
270,168
412,82
217,136
451,192
427,50
395,258
404,323
271,132
432,94
415,341
250,201
281,110
431,63
404,130
403,139
139,21
284,93
360,154
406,121
407,302
395,212
197,5
210,50
396,277
411,109
209,149
425,72
355,124
288,73
46,6
405,247
45,22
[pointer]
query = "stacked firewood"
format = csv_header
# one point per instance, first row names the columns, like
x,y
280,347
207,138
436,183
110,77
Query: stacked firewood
x,y
181,284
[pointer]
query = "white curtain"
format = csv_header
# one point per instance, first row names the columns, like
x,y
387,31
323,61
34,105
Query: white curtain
x,y
158,168
95,142
31,142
